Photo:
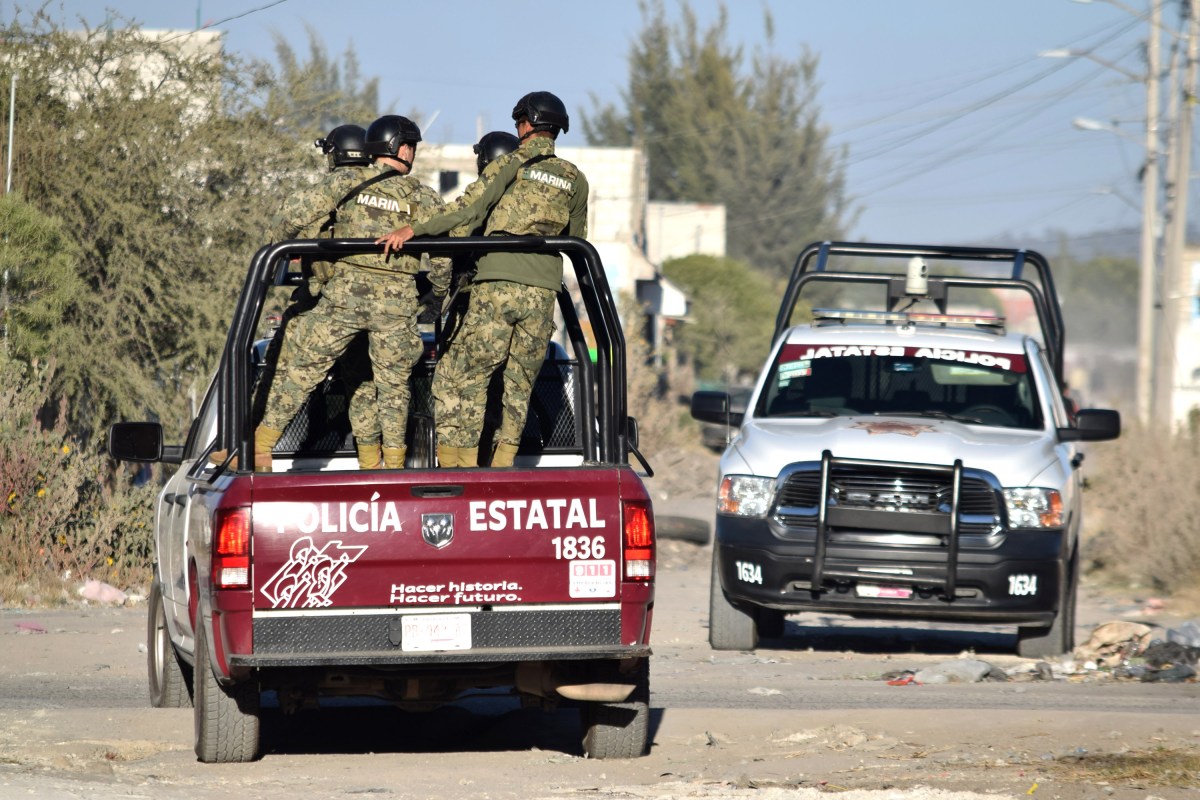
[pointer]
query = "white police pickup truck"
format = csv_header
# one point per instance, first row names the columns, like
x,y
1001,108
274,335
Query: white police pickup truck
x,y
900,461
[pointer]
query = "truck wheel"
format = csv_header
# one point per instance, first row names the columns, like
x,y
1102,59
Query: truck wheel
x,y
227,724
1059,637
170,677
619,730
729,627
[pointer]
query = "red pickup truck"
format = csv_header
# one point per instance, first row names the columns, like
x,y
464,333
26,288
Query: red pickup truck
x,y
413,586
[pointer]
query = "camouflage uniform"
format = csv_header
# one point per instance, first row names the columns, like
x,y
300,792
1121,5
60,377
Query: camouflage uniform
x,y
310,213
511,317
366,293
464,265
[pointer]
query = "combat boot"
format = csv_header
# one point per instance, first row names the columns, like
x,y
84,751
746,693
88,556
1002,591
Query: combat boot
x,y
447,456
393,457
265,440
505,455
370,456
219,456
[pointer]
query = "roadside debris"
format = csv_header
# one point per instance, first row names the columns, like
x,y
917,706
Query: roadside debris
x,y
1188,633
1113,643
960,670
1145,653
99,592
1118,650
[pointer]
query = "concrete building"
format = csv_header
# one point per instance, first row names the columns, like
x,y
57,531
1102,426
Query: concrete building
x,y
675,230
153,67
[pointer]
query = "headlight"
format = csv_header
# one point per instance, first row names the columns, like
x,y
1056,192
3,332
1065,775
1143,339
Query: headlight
x,y
746,495
1033,508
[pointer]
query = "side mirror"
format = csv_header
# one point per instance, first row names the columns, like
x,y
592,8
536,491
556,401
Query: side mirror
x,y
1093,425
136,441
715,407
631,430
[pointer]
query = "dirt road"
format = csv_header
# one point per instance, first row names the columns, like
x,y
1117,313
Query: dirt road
x,y
805,714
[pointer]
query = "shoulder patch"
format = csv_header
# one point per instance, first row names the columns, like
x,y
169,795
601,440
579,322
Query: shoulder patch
x,y
548,178
384,203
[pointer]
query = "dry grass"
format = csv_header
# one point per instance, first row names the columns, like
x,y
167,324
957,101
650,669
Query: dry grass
x,y
1161,767
66,514
669,437
1141,507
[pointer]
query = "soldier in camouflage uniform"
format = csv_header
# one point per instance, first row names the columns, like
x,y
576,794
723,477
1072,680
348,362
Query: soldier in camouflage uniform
x,y
372,293
308,213
529,192
489,147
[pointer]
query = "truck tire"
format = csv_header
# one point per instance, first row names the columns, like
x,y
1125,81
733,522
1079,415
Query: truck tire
x,y
619,730
685,529
170,678
227,723
729,627
1059,637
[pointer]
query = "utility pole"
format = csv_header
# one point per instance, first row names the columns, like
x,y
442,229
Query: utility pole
x,y
12,118
1176,286
1145,338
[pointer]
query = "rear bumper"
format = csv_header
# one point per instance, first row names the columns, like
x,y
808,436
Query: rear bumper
x,y
457,657
1013,577
376,637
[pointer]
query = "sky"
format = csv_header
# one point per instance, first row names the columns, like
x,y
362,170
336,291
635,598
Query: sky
x,y
954,129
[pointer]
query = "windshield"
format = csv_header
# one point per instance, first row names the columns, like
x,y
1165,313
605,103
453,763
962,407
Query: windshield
x,y
972,386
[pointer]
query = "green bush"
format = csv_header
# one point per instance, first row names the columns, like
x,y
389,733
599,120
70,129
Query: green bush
x,y
67,512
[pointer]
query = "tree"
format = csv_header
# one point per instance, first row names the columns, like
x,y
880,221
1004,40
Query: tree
x,y
162,164
312,97
38,261
130,148
714,132
731,318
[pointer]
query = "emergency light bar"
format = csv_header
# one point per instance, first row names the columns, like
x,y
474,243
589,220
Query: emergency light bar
x,y
909,318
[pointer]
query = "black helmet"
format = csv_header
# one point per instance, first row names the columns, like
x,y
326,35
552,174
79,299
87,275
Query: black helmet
x,y
492,146
544,111
386,134
344,145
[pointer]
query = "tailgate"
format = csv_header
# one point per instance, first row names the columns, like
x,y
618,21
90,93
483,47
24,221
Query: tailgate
x,y
517,563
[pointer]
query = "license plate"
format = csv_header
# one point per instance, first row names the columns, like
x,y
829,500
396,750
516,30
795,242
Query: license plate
x,y
886,592
426,632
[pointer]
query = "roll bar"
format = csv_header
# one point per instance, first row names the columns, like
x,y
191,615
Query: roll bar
x,y
608,374
813,265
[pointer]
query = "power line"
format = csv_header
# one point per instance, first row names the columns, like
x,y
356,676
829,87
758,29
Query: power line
x,y
1111,33
979,105
227,19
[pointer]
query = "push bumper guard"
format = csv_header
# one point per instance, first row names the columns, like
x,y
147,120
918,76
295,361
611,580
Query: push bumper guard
x,y
830,516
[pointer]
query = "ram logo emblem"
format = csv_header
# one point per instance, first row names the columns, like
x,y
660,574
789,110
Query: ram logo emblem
x,y
437,529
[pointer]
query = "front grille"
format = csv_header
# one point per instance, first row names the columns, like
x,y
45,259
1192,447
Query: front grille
x,y
894,490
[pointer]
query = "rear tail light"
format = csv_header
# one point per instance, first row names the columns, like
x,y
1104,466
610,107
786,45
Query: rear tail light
x,y
231,548
639,541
